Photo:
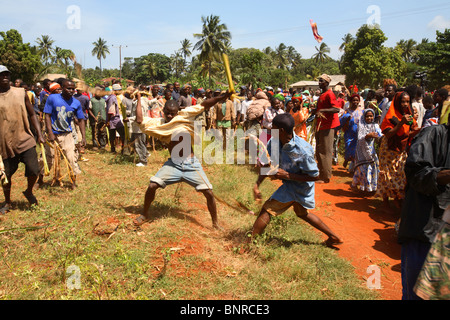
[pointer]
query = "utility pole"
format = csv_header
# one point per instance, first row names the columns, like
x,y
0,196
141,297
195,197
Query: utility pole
x,y
120,59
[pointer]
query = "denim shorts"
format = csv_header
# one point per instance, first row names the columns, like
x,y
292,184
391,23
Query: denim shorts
x,y
189,170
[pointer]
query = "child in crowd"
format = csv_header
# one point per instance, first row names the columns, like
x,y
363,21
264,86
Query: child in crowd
x,y
365,178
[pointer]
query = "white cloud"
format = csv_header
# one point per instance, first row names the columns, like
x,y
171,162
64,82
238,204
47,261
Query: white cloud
x,y
439,23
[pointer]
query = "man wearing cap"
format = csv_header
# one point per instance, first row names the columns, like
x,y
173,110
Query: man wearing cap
x,y
113,121
327,117
17,143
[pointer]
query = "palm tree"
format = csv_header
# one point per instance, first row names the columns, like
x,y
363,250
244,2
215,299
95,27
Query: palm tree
x,y
177,62
293,57
56,53
347,39
45,47
100,50
409,48
321,54
280,56
185,48
64,55
213,41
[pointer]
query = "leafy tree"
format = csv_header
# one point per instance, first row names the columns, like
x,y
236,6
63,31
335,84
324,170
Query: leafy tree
x,y
434,57
152,68
247,66
213,41
128,68
100,50
22,59
367,62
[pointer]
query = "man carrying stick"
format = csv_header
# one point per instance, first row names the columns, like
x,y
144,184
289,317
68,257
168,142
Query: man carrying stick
x,y
178,126
59,110
17,143
298,171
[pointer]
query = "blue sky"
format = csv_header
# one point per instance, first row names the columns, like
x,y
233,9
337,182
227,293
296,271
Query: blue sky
x,y
142,27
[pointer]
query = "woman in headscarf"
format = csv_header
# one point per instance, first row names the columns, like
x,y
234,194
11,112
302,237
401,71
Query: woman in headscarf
x,y
367,168
300,115
349,124
397,130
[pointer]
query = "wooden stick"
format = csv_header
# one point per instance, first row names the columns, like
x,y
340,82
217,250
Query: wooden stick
x,y
44,159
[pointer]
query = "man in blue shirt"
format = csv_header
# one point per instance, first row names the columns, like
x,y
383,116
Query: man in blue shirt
x,y
59,110
298,170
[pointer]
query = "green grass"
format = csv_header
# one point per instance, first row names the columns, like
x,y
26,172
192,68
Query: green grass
x,y
178,256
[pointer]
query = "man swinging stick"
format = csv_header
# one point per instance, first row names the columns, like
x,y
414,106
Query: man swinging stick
x,y
179,125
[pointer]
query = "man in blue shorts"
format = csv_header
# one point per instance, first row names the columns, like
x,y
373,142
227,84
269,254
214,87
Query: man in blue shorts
x,y
181,167
298,170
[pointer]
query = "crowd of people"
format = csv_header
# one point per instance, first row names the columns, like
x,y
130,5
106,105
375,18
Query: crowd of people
x,y
394,141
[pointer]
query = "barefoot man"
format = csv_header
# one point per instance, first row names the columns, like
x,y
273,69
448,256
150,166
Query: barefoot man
x,y
17,143
181,166
298,171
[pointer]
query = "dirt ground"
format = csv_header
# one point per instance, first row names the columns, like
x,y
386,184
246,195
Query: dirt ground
x,y
368,233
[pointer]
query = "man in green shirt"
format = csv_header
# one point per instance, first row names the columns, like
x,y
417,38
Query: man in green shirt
x,y
97,110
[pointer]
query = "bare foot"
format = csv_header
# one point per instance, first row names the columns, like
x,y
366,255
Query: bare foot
x,y
332,242
218,227
139,221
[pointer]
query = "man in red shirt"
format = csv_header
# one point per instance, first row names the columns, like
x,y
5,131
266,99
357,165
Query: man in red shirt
x,y
327,115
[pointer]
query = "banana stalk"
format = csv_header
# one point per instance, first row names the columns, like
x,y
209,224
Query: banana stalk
x,y
226,64
95,130
123,110
44,159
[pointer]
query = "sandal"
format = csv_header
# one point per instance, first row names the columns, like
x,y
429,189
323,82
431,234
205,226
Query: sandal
x,y
5,209
139,221
31,198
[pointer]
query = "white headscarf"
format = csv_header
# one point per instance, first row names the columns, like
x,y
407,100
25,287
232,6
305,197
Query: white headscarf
x,y
365,149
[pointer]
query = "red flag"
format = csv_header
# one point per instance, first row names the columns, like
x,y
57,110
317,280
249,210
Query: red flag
x,y
315,32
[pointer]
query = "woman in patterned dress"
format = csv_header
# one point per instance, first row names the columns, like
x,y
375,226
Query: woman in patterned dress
x,y
397,131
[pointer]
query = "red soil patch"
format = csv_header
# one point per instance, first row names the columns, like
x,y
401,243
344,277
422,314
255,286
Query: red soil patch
x,y
369,235
177,251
